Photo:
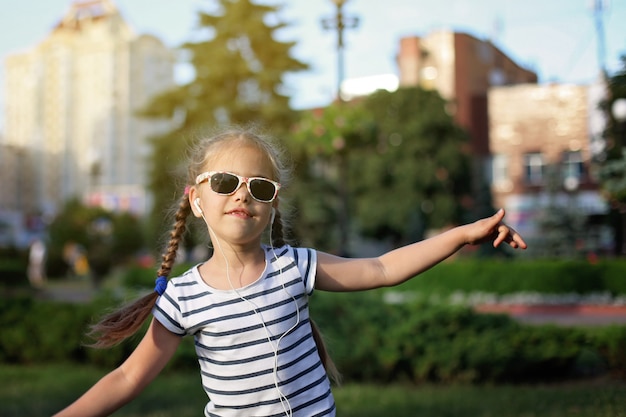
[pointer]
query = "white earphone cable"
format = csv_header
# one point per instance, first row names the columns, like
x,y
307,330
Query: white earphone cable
x,y
275,348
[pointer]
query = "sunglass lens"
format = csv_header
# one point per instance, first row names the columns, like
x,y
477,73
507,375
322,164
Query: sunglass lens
x,y
224,183
262,189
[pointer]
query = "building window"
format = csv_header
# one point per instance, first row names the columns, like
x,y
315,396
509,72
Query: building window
x,y
572,168
534,168
499,169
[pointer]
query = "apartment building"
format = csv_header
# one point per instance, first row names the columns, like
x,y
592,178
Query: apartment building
x,y
541,139
71,128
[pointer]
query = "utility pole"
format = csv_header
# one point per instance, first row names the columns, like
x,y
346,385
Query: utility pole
x,y
340,22
599,7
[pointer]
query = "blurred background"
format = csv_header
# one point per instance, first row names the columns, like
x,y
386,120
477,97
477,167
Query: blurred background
x,y
403,118
525,81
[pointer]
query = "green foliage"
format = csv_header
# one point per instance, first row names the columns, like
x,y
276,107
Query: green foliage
x,y
419,162
611,344
372,340
13,272
320,144
506,277
39,332
36,332
398,156
338,127
612,169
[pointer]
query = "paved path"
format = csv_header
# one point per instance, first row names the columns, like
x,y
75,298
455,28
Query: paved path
x,y
73,291
565,315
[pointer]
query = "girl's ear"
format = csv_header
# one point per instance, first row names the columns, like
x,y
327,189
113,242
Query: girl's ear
x,y
194,199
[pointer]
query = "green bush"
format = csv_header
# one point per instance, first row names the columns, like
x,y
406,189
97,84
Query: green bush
x,y
36,331
13,272
505,277
610,342
371,340
13,267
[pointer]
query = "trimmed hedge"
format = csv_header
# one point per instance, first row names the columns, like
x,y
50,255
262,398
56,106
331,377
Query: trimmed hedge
x,y
506,277
371,340
13,273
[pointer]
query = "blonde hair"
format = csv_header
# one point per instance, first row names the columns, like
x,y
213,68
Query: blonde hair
x,y
118,325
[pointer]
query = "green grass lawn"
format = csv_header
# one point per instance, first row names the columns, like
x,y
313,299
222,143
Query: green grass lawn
x,y
40,391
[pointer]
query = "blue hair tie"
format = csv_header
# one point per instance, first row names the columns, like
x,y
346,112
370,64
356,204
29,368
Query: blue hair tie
x,y
161,285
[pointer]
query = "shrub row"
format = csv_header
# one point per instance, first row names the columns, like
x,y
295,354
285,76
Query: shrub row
x,y
506,277
36,331
13,272
369,340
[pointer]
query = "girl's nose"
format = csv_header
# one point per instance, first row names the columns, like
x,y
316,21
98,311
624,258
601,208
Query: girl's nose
x,y
242,192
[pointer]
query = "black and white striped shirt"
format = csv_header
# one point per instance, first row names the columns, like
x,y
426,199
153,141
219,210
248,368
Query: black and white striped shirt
x,y
238,333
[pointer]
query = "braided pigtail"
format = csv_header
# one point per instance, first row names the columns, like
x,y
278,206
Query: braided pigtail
x,y
176,235
120,324
327,360
278,234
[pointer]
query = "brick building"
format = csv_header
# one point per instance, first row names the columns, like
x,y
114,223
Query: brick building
x,y
541,134
461,68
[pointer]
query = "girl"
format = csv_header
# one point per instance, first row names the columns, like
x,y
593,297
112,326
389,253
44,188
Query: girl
x,y
247,305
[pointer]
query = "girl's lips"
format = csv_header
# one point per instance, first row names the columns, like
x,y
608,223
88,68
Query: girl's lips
x,y
240,213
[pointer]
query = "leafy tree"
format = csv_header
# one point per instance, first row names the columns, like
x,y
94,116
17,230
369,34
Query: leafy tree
x,y
613,169
321,142
416,174
239,69
401,157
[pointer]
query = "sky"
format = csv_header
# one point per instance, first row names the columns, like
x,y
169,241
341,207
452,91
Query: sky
x,y
558,39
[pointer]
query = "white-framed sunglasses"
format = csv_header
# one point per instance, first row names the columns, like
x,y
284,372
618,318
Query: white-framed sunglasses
x,y
226,183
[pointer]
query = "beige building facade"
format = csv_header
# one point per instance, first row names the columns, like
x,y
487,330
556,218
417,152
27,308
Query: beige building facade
x,y
70,119
541,143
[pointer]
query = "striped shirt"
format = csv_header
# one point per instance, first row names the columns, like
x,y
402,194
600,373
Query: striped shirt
x,y
255,348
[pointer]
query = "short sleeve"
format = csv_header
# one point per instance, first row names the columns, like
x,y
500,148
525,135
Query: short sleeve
x,y
306,262
168,312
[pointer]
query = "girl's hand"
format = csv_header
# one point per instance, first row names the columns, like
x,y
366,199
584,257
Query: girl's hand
x,y
492,228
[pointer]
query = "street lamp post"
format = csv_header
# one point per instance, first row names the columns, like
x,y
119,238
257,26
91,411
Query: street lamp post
x,y
340,22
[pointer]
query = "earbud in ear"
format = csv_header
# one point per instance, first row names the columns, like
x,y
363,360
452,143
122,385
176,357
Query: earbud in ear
x,y
196,202
273,215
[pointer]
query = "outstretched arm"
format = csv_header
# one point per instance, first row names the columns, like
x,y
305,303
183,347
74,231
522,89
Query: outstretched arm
x,y
394,267
127,381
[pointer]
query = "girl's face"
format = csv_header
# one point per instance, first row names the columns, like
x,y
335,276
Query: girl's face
x,y
237,219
